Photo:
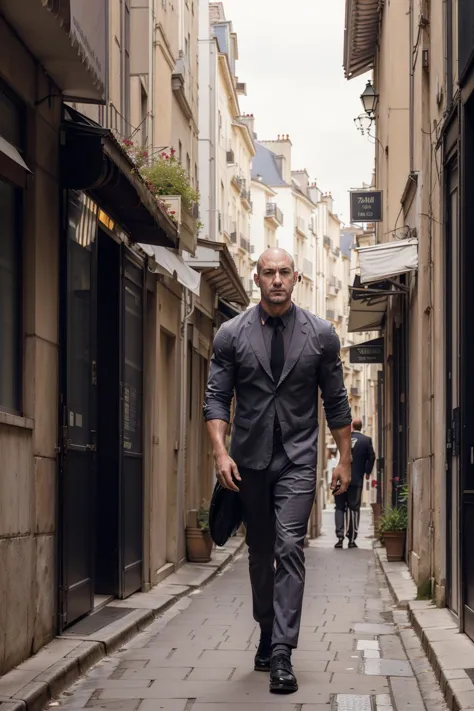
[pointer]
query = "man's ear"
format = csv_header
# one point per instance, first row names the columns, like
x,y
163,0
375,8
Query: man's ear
x,y
256,279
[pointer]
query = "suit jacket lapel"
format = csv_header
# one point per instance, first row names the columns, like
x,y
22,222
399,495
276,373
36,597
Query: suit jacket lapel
x,y
256,341
298,341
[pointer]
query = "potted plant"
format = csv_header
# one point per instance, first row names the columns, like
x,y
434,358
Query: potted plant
x,y
198,537
393,527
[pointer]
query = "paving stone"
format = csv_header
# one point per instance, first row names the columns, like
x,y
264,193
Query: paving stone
x,y
198,656
349,702
368,628
168,705
406,695
363,644
388,667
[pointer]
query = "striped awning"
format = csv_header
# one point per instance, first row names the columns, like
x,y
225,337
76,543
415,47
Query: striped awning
x,y
361,35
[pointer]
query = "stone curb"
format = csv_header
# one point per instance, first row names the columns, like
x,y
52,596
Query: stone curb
x,y
46,684
449,652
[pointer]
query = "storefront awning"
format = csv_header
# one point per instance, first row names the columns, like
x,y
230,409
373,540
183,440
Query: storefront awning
x,y
12,165
171,264
214,261
360,35
68,38
92,160
383,261
367,306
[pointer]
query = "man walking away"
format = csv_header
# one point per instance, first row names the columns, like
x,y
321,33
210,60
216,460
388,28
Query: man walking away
x,y
348,504
274,357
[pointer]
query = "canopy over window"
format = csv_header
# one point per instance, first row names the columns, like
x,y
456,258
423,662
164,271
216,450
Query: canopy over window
x,y
383,261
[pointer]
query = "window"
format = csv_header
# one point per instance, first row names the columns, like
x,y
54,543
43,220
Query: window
x,y
10,365
12,129
180,152
188,165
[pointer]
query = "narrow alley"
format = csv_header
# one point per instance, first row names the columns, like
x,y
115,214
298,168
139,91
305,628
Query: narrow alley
x,y
356,652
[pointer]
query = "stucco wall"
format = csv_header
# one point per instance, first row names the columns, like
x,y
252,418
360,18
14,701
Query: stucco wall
x,y
27,444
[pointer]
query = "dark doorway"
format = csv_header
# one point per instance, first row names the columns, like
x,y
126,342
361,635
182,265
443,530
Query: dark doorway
x,y
101,471
452,389
77,480
108,420
120,393
131,440
466,257
399,398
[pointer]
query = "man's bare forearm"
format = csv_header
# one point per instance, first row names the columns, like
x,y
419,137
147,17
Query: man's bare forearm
x,y
342,437
217,431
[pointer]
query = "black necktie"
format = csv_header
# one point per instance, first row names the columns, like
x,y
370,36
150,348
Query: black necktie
x,y
277,357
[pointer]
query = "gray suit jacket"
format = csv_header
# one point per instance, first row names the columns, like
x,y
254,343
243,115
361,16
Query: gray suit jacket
x,y
240,363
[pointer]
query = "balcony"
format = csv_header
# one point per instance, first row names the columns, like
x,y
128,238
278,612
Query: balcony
x,y
327,241
245,243
181,84
273,214
300,226
307,268
230,157
239,183
330,315
246,198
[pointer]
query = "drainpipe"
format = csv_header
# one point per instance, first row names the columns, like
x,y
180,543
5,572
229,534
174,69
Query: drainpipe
x,y
412,89
187,310
151,74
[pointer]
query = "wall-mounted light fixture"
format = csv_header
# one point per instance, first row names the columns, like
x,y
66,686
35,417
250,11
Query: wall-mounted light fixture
x,y
369,99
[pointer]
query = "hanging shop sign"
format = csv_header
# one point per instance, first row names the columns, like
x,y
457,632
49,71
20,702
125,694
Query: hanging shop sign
x,y
366,206
368,352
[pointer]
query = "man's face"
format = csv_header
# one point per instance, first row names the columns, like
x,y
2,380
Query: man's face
x,y
276,279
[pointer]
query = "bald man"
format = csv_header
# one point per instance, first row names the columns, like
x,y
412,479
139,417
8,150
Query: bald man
x,y
274,357
348,505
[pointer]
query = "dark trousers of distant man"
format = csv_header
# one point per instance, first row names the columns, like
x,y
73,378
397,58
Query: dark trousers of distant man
x,y
348,513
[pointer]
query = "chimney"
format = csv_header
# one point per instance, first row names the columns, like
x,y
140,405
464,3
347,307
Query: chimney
x,y
282,150
302,178
249,120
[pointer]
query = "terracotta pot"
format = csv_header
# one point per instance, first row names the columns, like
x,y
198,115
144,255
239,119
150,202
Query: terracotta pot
x,y
198,545
394,545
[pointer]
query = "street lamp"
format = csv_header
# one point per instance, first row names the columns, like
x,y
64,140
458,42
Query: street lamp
x,y
369,99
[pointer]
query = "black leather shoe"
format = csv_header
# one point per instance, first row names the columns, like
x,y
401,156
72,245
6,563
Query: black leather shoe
x,y
282,679
264,654
353,545
340,543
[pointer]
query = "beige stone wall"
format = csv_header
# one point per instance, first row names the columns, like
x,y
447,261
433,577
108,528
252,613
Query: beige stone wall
x,y
27,443
421,212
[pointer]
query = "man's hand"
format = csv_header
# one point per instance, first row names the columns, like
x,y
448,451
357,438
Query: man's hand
x,y
227,471
341,475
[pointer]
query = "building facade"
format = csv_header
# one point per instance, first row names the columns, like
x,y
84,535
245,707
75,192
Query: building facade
x,y
225,141
424,133
105,329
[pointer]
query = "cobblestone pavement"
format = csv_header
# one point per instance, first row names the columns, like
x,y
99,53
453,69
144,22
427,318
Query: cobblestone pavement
x,y
356,652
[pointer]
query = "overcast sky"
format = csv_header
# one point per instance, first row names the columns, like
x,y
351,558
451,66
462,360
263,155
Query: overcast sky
x,y
291,59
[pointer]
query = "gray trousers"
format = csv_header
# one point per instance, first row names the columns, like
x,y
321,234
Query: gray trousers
x,y
348,513
277,505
